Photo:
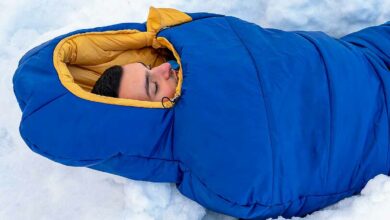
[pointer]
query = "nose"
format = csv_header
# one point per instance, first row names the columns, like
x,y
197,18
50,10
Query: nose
x,y
164,71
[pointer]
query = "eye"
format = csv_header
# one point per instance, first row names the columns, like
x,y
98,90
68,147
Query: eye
x,y
156,88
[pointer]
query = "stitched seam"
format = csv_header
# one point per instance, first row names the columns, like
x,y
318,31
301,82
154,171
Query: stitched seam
x,y
94,160
331,114
354,189
385,96
266,106
365,52
42,106
35,148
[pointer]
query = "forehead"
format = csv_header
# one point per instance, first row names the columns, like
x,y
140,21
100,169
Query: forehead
x,y
132,84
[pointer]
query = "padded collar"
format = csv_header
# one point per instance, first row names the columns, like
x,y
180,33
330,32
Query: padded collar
x,y
160,18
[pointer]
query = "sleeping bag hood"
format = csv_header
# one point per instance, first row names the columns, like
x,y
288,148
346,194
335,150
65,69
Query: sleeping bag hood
x,y
264,122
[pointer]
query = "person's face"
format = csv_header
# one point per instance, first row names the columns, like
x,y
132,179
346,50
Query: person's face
x,y
142,83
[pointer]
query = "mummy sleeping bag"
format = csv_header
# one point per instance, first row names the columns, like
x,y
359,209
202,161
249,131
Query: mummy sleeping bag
x,y
264,123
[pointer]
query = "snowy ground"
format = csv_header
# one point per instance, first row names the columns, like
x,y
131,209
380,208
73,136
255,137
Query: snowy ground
x,y
32,187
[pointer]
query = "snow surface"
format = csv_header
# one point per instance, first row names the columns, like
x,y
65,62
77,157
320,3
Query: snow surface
x,y
33,187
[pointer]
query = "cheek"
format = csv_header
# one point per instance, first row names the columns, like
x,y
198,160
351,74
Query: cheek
x,y
168,90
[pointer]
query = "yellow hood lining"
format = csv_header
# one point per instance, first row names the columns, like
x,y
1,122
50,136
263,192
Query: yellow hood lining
x,y
80,59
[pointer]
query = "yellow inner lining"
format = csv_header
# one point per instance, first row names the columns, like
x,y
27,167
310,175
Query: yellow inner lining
x,y
80,59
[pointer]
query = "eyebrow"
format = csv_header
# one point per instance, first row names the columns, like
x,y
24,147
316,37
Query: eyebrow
x,y
147,83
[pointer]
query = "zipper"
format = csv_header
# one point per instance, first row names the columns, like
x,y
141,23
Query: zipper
x,y
169,26
163,28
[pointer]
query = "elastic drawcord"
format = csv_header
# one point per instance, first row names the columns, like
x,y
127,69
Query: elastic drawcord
x,y
173,101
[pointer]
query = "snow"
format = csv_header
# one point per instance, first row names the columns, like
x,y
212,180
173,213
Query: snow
x,y
33,187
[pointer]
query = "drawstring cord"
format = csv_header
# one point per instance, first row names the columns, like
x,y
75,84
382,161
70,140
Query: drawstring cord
x,y
173,101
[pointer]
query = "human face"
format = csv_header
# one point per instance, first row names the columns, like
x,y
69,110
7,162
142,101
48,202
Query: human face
x,y
142,83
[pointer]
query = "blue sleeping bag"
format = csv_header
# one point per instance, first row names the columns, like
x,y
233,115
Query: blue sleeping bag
x,y
265,122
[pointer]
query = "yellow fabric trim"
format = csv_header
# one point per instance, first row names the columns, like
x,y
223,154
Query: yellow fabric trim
x,y
80,59
164,17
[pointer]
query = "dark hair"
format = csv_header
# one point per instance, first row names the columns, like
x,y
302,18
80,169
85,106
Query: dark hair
x,y
109,81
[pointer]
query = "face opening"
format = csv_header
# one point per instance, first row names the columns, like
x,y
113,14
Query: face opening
x,y
80,60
